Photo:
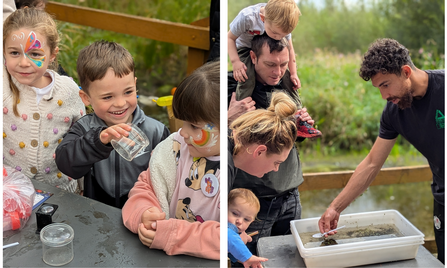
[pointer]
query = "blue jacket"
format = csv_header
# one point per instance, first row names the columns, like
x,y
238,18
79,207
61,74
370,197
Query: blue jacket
x,y
237,250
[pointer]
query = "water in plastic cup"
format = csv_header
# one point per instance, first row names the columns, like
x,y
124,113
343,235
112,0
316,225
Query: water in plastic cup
x,y
129,147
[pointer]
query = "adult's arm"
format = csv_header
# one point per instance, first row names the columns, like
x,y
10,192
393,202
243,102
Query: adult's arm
x,y
79,150
238,108
363,175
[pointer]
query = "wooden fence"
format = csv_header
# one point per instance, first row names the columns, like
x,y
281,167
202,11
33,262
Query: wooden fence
x,y
194,36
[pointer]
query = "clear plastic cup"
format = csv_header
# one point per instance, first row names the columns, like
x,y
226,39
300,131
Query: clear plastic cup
x,y
129,147
57,244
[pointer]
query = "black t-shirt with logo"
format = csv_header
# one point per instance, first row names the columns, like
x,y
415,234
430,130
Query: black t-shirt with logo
x,y
423,126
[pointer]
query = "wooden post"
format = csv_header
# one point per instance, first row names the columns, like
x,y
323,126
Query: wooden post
x,y
197,57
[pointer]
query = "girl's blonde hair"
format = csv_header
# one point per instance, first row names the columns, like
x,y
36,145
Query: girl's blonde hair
x,y
275,127
38,21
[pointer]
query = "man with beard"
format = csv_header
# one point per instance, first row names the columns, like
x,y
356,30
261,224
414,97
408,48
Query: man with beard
x,y
415,110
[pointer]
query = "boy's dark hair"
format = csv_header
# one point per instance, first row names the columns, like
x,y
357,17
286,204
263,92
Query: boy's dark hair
x,y
384,56
275,45
197,98
95,60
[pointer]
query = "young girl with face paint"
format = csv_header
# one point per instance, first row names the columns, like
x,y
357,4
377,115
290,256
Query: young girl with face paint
x,y
39,106
174,206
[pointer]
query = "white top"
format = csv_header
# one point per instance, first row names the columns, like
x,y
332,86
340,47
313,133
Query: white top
x,y
40,92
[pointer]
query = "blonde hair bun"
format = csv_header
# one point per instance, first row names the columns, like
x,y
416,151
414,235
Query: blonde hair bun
x,y
282,105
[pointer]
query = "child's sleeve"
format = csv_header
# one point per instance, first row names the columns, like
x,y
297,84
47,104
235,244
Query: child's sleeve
x,y
153,187
141,198
240,24
182,237
79,150
236,247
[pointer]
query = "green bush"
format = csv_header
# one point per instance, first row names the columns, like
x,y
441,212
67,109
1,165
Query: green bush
x,y
159,65
345,108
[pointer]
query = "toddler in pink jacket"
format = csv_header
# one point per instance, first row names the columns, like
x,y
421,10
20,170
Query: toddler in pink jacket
x,y
175,204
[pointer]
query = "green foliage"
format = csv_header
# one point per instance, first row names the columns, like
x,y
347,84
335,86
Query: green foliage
x,y
416,23
159,65
337,27
345,108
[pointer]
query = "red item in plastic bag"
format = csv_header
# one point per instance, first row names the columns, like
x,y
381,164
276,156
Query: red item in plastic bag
x,y
18,199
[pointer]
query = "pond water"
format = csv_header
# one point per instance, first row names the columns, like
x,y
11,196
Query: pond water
x,y
352,235
413,200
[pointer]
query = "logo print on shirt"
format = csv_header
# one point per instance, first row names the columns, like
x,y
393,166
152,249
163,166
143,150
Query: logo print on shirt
x,y
254,32
440,120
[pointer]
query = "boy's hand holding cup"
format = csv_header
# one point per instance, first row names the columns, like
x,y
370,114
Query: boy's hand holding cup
x,y
114,132
127,139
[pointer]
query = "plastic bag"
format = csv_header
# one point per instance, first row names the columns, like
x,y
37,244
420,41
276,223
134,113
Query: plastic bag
x,y
18,199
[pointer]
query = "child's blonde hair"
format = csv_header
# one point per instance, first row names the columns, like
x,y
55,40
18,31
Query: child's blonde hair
x,y
275,127
283,14
96,59
197,98
38,21
245,194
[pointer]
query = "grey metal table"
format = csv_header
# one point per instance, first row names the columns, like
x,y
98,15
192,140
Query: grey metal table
x,y
100,238
283,252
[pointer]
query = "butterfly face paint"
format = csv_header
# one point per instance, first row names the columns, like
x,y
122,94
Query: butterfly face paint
x,y
31,44
206,138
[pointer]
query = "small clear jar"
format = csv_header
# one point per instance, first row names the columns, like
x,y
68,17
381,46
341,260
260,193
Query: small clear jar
x,y
57,244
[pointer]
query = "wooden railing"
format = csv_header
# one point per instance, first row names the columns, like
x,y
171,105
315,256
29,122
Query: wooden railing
x,y
194,36
386,176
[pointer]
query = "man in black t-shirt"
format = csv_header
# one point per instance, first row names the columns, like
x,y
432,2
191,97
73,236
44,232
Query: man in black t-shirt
x,y
415,110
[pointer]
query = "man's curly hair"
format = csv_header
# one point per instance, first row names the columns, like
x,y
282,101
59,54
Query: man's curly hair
x,y
386,56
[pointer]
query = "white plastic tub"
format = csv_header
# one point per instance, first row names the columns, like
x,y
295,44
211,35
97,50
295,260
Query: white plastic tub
x,y
363,252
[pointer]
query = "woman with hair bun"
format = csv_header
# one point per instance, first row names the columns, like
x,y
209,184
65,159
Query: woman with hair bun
x,y
260,140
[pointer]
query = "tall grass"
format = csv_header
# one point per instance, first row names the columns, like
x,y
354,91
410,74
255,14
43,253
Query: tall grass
x,y
345,107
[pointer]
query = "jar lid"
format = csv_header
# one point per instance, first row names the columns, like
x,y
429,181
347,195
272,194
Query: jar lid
x,y
57,234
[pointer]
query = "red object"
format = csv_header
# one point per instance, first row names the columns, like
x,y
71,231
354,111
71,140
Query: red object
x,y
15,220
305,130
5,173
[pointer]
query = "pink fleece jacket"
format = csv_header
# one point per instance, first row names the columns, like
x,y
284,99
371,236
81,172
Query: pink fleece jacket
x,y
174,236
